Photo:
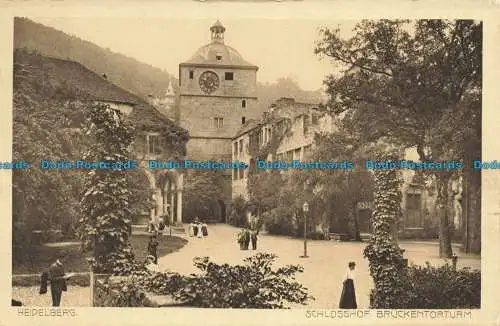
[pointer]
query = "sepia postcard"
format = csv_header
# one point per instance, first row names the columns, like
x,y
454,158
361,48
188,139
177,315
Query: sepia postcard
x,y
253,162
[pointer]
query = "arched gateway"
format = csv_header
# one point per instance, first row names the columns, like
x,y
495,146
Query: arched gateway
x,y
167,189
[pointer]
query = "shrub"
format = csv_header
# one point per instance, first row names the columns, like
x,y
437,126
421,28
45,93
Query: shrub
x,y
429,287
119,292
277,221
237,216
253,285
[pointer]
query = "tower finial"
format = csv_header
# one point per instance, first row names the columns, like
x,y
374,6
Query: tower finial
x,y
217,30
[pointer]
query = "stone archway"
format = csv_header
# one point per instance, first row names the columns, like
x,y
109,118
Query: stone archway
x,y
223,211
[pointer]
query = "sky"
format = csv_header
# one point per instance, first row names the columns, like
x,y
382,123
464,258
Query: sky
x,y
279,47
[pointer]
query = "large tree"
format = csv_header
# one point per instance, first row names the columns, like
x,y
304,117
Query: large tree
x,y
106,203
412,83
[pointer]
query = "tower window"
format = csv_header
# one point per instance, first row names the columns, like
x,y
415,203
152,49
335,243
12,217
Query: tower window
x,y
243,104
229,76
243,120
218,123
191,74
218,57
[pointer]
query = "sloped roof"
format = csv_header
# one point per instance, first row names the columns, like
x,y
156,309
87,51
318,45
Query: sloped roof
x,y
59,72
249,125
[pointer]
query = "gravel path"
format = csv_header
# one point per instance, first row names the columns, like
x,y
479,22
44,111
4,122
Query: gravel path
x,y
323,270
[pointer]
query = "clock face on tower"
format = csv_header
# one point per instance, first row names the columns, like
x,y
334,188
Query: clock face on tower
x,y
209,82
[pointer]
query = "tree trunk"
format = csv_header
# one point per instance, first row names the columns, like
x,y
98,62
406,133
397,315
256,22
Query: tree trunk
x,y
471,207
357,235
445,249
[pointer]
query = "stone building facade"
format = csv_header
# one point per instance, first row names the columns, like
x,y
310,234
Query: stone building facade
x,y
299,122
216,96
149,144
217,90
303,121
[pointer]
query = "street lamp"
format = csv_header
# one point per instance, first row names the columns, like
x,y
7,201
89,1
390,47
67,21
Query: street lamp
x,y
305,208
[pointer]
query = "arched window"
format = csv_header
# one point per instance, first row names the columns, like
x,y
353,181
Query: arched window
x,y
244,104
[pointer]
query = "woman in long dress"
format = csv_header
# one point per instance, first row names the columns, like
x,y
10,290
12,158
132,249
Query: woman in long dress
x,y
195,229
348,297
191,229
198,225
204,229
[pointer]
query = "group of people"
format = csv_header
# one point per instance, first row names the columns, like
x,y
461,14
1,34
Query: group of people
x,y
198,228
246,236
153,228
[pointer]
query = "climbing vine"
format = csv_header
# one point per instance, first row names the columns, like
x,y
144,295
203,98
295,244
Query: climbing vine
x,y
105,205
384,255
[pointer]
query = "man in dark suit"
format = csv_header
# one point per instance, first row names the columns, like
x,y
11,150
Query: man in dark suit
x,y
57,279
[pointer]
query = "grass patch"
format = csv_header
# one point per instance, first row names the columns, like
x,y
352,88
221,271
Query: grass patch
x,y
39,257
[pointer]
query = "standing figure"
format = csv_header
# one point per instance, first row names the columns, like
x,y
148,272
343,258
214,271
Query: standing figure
x,y
204,229
348,297
200,231
253,238
191,229
241,239
195,227
247,238
153,248
57,279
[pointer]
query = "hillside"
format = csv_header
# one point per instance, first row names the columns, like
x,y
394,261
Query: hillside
x,y
136,77
128,73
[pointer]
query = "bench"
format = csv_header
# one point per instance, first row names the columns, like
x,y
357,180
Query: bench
x,y
338,236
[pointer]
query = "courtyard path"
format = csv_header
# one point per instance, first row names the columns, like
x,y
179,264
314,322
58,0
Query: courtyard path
x,y
323,270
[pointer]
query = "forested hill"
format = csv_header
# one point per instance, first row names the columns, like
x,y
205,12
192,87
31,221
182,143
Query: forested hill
x,y
137,77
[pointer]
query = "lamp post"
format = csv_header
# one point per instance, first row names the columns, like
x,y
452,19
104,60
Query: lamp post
x,y
305,208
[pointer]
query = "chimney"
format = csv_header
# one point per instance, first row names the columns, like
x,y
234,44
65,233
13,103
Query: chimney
x,y
104,76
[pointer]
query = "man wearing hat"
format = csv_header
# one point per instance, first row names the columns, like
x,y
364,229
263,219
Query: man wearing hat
x,y
57,278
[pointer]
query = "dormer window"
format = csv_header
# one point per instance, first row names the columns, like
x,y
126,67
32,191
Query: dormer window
x,y
191,74
229,76
218,57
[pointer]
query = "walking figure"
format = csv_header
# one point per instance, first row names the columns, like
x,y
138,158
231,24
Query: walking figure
x,y
196,227
191,229
153,248
204,229
348,297
200,231
253,238
242,238
57,279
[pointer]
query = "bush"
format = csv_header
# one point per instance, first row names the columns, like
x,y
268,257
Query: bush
x,y
253,285
441,288
237,215
119,292
428,287
278,221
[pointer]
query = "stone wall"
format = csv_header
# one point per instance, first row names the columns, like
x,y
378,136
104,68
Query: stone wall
x,y
197,114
